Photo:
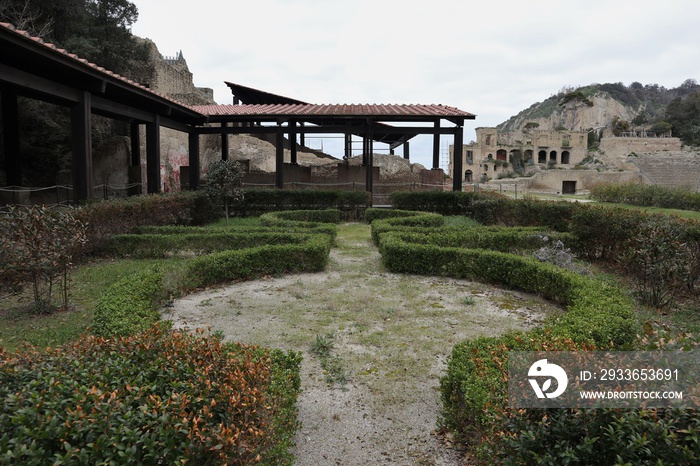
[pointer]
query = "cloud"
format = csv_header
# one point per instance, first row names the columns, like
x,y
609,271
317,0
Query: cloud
x,y
490,58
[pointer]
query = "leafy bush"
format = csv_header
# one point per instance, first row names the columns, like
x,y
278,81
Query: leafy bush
x,y
160,397
224,183
659,259
37,246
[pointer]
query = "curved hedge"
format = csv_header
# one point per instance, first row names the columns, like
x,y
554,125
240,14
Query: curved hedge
x,y
598,316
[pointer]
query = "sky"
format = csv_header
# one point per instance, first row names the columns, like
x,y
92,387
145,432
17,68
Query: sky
x,y
492,58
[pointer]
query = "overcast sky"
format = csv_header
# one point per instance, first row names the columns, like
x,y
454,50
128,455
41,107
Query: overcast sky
x,y
492,58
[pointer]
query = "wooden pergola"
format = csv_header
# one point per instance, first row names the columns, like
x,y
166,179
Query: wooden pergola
x,y
32,68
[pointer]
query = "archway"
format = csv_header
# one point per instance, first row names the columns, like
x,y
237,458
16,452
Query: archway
x,y
501,154
542,156
553,156
565,157
468,176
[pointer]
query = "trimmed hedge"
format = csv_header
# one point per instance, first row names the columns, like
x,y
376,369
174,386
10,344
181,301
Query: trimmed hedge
x,y
598,313
599,316
308,256
130,305
161,245
159,397
645,195
107,218
351,204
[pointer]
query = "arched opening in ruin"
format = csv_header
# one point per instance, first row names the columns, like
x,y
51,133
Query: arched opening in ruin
x,y
486,167
542,156
501,154
565,157
468,176
553,156
528,156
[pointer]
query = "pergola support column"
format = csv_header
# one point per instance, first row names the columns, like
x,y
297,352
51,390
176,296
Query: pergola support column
x,y
224,141
135,144
279,157
293,142
10,131
153,155
194,160
457,158
81,146
369,182
436,147
407,150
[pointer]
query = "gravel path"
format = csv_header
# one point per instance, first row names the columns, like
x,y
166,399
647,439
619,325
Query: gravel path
x,y
391,335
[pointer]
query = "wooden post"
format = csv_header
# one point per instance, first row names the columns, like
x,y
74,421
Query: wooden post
x,y
194,159
279,159
458,150
293,142
153,155
407,150
10,131
224,141
436,147
81,158
135,144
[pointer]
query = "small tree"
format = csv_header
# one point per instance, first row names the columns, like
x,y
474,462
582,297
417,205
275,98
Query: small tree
x,y
37,246
224,183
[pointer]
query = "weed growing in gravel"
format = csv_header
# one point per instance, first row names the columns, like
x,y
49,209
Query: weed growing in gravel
x,y
322,347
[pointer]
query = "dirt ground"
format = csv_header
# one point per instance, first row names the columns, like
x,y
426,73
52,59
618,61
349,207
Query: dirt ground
x,y
391,334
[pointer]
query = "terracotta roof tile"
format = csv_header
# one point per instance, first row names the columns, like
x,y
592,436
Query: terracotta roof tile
x,y
53,47
359,110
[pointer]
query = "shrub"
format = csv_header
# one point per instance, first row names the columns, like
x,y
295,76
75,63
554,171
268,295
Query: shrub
x,y
224,183
659,259
160,397
37,245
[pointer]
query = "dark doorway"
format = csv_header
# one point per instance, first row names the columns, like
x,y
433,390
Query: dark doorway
x,y
468,175
568,187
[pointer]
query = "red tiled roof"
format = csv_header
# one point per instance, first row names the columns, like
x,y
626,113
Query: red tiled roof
x,y
355,110
84,62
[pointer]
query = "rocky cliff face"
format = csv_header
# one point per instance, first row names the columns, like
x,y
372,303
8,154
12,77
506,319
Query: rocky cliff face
x,y
597,112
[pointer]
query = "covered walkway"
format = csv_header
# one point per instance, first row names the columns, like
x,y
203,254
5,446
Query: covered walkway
x,y
32,68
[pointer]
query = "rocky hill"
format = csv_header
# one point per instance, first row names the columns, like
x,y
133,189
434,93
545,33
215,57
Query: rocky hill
x,y
598,106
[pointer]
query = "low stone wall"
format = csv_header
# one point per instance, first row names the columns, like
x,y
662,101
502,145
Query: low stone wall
x,y
625,146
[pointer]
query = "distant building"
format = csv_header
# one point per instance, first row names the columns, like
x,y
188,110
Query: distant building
x,y
497,156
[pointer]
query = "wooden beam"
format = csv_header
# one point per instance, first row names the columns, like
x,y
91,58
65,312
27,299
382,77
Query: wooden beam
x,y
153,155
81,144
